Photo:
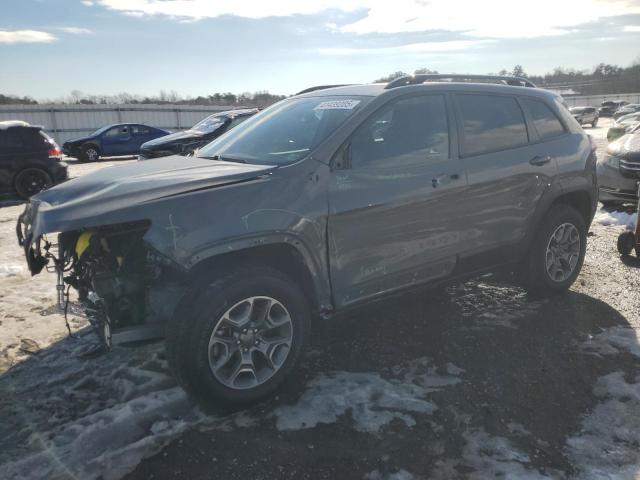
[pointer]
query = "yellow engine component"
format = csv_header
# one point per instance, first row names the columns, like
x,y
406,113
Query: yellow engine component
x,y
83,242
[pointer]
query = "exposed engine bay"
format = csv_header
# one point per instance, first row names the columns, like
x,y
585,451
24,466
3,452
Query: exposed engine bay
x,y
127,291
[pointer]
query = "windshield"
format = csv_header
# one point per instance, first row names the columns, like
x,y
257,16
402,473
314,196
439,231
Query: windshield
x,y
209,124
100,130
285,132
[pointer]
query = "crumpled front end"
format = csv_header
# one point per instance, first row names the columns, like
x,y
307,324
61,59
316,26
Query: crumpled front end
x,y
127,290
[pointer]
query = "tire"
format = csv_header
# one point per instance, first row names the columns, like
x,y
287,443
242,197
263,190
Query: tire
x,y
90,153
595,123
541,279
626,243
197,322
30,181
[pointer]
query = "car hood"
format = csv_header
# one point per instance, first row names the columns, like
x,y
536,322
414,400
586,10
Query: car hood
x,y
174,137
627,147
78,140
95,198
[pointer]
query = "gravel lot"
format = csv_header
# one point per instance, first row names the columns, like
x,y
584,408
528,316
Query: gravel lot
x,y
477,382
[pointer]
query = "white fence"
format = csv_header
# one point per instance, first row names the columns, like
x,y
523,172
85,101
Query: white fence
x,y
596,100
64,122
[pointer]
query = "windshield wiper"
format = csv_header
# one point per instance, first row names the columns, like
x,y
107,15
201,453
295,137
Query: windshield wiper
x,y
223,159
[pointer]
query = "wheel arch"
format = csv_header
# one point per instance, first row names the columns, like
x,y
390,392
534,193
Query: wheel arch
x,y
287,255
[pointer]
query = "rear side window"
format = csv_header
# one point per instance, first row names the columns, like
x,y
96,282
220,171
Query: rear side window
x,y
412,131
10,140
544,120
140,130
490,123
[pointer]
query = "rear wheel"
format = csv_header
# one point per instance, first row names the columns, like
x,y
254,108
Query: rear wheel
x,y
30,181
557,253
90,153
235,339
626,243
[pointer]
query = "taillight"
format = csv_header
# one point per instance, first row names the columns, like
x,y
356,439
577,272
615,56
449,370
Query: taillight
x,y
54,152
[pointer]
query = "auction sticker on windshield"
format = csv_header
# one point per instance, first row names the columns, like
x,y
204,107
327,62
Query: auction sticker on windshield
x,y
337,105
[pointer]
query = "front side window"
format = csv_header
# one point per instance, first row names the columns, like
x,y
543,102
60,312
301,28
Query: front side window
x,y
409,131
116,132
285,132
491,123
544,120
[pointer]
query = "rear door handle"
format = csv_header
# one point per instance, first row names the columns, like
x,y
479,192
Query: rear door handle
x,y
540,160
444,179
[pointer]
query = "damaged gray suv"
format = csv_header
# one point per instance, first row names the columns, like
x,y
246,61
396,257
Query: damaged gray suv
x,y
328,199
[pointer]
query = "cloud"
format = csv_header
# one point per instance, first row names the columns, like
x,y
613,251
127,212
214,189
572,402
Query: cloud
x,y
632,28
417,48
25,36
486,18
76,30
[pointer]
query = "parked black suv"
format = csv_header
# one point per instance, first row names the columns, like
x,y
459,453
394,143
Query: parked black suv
x,y
184,143
29,159
609,107
320,202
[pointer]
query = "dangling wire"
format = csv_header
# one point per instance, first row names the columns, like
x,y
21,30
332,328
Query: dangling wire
x,y
66,307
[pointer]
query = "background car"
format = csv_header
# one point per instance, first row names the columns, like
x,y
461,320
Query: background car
x,y
616,170
184,143
627,109
623,125
112,140
609,107
585,115
29,159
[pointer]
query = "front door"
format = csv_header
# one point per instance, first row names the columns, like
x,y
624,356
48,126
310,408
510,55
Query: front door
x,y
116,140
394,209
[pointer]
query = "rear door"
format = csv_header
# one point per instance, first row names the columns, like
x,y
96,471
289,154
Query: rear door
x,y
139,135
508,171
394,211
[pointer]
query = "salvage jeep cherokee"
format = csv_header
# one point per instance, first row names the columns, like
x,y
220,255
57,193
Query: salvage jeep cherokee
x,y
325,200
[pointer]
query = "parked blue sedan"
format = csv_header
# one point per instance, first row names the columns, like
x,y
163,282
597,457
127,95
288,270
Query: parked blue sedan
x,y
112,140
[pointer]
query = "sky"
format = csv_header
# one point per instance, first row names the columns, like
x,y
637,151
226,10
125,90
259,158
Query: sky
x,y
197,47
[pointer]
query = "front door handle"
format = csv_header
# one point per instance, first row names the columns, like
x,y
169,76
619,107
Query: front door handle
x,y
444,179
540,160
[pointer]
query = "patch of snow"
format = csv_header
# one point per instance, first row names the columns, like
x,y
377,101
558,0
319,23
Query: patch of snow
x,y
11,270
614,340
399,475
607,445
372,400
488,457
73,417
606,218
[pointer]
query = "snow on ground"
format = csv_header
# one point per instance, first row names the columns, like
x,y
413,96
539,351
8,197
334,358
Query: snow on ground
x,y
89,417
607,445
607,218
372,401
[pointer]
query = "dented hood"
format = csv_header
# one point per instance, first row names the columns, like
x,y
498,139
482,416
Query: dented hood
x,y
132,186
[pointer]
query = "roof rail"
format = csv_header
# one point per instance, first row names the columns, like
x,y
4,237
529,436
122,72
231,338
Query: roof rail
x,y
428,77
321,87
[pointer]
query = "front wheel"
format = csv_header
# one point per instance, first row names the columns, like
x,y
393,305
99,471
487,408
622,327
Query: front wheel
x,y
557,252
30,181
626,243
236,338
90,153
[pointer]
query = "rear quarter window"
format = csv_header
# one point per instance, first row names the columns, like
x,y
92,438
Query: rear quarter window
x,y
490,123
545,121
10,140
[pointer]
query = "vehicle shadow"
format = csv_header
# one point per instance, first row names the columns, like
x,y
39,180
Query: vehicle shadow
x,y
630,261
478,381
514,383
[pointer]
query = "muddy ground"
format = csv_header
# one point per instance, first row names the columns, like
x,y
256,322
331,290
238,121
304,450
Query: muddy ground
x,y
479,381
